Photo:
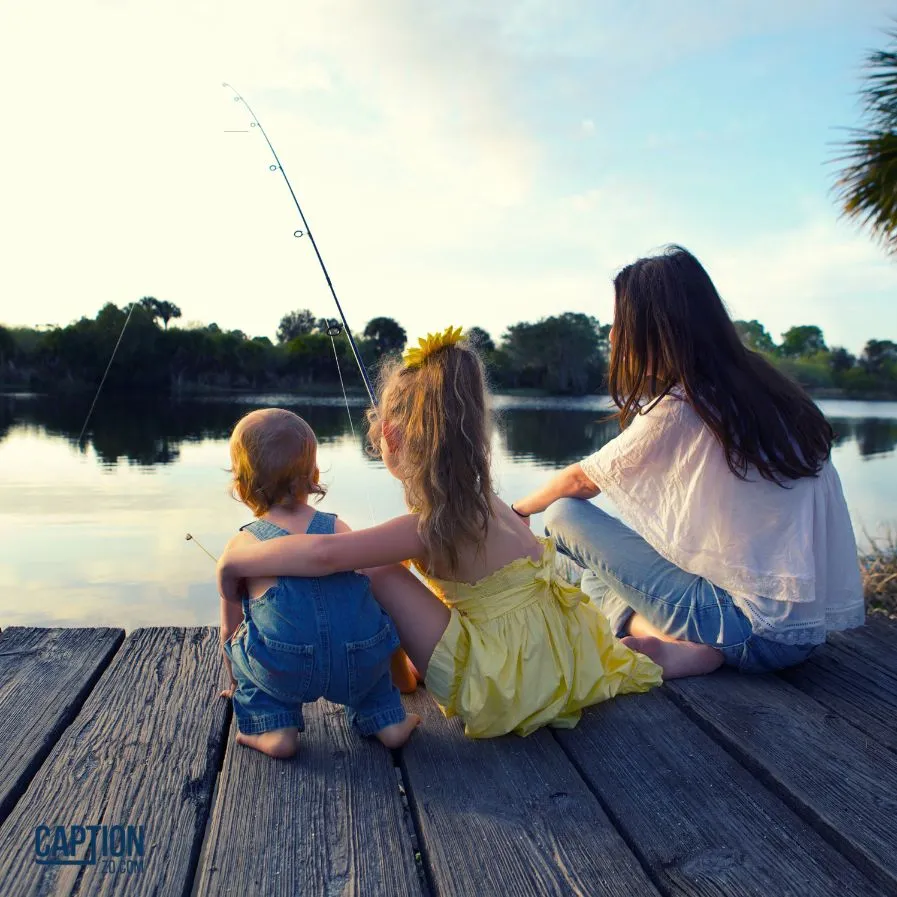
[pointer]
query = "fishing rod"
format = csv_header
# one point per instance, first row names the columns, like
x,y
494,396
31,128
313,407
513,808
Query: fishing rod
x,y
255,123
106,373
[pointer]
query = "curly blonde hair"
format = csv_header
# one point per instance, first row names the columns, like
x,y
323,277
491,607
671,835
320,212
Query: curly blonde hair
x,y
274,460
442,412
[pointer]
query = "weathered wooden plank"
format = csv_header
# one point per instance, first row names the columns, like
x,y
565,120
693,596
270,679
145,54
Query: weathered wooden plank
x,y
834,776
143,751
877,640
509,816
696,818
864,693
45,676
330,821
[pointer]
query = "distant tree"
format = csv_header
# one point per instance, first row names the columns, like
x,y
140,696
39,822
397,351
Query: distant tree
x,y
295,324
878,356
754,335
7,346
480,339
841,360
385,335
604,339
802,341
165,311
867,184
560,353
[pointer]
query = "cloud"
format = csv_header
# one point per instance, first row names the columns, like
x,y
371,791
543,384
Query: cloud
x,y
432,146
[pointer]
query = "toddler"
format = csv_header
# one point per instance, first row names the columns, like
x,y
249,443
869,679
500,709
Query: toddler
x,y
293,639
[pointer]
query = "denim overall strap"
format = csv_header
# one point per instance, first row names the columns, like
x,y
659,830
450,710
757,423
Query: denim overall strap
x,y
321,524
264,530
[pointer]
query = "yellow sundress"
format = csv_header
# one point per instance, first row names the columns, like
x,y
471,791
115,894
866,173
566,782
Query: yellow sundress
x,y
524,649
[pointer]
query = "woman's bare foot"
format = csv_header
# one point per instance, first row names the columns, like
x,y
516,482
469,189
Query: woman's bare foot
x,y
678,659
279,743
404,675
396,735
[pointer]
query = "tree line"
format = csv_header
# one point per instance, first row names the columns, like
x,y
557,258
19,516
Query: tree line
x,y
563,354
805,357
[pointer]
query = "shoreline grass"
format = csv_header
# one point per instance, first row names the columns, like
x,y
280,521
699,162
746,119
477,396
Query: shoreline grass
x,y
879,569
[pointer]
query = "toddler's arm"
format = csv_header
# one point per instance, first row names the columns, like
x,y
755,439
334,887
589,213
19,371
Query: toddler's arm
x,y
231,617
390,542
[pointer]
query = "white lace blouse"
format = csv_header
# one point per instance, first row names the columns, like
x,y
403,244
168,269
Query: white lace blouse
x,y
787,556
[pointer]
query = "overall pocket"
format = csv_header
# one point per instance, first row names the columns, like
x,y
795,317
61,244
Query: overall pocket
x,y
367,660
282,669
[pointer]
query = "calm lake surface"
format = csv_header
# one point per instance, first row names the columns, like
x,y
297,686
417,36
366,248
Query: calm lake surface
x,y
94,534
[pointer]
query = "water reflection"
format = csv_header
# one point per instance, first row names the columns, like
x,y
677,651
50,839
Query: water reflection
x,y
555,438
148,432
875,435
90,539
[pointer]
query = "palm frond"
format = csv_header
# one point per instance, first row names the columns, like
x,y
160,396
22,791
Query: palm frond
x,y
867,183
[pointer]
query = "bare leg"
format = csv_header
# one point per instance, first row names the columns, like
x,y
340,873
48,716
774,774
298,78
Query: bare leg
x,y
678,659
404,676
396,735
420,617
640,627
279,743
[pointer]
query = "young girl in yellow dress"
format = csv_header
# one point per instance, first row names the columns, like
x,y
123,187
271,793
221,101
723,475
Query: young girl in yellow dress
x,y
500,639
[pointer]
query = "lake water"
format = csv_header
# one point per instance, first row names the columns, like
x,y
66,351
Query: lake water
x,y
95,534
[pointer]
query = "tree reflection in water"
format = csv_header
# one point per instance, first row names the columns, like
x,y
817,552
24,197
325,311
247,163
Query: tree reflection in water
x,y
149,432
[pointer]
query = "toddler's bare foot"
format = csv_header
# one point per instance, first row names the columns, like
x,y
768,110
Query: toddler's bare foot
x,y
279,743
404,676
678,659
396,735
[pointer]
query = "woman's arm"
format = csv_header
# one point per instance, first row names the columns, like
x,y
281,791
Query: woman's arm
x,y
571,482
390,542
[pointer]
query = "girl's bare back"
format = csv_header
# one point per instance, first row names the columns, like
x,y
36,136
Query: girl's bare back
x,y
508,538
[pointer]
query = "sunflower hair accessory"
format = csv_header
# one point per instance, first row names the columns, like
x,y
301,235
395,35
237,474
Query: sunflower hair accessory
x,y
414,357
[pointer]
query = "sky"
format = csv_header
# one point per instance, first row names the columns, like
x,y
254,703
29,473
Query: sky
x,y
459,163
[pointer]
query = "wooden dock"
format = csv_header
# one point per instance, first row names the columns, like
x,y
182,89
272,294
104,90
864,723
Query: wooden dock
x,y
726,785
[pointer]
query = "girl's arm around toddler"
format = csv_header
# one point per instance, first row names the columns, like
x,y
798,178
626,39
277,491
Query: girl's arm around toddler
x,y
388,543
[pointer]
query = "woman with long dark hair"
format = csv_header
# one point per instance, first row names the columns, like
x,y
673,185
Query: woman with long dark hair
x,y
739,536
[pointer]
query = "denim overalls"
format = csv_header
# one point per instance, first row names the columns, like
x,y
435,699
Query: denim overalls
x,y
313,637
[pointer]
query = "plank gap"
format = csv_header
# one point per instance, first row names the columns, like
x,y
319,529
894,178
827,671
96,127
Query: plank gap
x,y
219,766
108,641
413,824
634,849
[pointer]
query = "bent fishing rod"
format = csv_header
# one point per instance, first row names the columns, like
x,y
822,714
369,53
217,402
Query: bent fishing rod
x,y
277,166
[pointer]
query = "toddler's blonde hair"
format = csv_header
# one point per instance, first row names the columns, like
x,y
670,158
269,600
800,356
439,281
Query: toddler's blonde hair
x,y
274,460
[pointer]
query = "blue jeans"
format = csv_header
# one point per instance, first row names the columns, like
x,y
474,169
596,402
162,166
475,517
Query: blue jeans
x,y
625,575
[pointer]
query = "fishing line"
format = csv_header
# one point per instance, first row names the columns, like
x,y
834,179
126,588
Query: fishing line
x,y
106,372
333,329
255,123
